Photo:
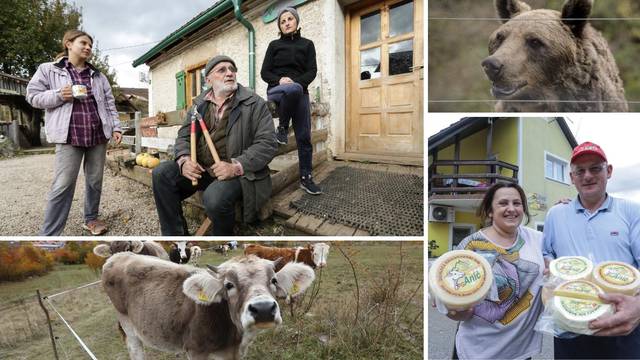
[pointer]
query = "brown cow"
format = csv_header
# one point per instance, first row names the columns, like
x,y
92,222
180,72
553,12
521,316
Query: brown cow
x,y
143,248
180,308
314,255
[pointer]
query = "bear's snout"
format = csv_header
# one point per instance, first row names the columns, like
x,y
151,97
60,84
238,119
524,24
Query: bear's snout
x,y
492,67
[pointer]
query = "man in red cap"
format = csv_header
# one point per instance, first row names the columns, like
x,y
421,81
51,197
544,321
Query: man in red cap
x,y
602,228
589,173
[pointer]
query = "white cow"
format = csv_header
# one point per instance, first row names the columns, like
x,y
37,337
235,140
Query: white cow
x,y
143,248
179,308
196,252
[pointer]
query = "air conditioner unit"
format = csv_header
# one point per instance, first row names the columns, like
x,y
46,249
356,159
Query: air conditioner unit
x,y
441,213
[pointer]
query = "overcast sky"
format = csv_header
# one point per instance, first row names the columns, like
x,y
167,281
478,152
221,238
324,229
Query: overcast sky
x,y
121,23
617,134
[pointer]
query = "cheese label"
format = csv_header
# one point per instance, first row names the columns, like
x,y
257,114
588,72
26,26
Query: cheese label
x,y
617,274
571,266
580,307
462,276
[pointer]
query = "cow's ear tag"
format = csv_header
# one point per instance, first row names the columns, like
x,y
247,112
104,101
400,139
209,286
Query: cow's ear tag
x,y
202,296
295,289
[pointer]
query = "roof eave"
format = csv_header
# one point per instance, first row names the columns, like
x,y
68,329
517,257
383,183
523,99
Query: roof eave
x,y
194,25
567,132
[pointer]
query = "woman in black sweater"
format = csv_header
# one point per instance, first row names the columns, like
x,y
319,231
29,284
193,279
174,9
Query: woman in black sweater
x,y
289,67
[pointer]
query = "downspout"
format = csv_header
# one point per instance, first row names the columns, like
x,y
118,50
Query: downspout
x,y
252,42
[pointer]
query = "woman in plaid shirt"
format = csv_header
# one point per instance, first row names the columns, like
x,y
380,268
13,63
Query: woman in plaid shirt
x,y
79,126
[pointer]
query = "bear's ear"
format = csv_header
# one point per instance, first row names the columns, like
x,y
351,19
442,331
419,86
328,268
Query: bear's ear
x,y
507,9
579,10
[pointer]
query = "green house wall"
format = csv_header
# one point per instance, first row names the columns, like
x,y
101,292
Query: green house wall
x,y
540,135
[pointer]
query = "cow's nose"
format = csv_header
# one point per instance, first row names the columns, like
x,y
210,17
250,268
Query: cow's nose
x,y
492,67
263,311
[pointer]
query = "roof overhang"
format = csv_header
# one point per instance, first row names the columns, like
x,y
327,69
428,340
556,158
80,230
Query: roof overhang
x,y
219,8
459,202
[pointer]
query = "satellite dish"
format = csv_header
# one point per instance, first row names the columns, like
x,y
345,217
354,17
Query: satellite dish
x,y
143,77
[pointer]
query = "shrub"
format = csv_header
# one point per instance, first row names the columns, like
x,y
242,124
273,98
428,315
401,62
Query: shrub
x,y
74,252
18,261
66,256
94,262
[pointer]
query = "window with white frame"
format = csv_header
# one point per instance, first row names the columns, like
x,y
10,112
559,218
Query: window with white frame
x,y
459,232
556,168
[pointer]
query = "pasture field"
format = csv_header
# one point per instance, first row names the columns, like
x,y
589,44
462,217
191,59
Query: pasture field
x,y
380,282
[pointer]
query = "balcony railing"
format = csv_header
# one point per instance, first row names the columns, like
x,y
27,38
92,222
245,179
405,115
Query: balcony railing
x,y
12,85
461,182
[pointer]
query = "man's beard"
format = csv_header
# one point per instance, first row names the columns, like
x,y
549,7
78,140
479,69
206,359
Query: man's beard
x,y
220,88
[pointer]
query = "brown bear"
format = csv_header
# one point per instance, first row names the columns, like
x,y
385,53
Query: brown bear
x,y
546,61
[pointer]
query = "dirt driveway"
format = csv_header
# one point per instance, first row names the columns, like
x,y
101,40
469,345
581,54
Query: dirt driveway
x,y
126,206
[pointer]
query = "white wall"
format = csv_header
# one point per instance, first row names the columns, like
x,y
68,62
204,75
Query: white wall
x,y
321,21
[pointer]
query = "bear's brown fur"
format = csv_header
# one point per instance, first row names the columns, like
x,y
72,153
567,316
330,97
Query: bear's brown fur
x,y
546,61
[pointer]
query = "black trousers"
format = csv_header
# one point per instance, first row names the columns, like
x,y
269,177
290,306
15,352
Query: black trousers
x,y
599,347
293,104
170,189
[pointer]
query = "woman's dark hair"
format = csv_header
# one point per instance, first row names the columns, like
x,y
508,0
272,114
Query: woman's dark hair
x,y
485,206
71,35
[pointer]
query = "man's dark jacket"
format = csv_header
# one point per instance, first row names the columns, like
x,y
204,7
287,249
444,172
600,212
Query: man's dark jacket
x,y
250,140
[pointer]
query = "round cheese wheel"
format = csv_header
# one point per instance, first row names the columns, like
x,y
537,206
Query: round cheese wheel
x,y
460,279
617,277
576,303
571,268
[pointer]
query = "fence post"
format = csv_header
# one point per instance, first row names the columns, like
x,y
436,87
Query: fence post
x,y
138,124
53,342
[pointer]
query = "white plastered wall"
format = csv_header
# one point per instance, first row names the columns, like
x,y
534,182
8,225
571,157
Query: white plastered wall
x,y
322,21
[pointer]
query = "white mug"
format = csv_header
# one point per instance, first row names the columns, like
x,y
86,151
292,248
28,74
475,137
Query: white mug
x,y
79,91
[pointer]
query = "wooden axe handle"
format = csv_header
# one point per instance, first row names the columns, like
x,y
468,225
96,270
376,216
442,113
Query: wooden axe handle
x,y
207,137
193,148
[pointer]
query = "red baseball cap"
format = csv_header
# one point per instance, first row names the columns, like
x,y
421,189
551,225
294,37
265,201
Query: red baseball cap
x,y
587,147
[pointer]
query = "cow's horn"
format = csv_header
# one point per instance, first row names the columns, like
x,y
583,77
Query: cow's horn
x,y
213,268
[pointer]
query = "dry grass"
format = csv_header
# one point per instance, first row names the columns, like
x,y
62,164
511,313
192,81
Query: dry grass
x,y
321,325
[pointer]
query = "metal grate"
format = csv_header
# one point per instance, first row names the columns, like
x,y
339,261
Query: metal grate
x,y
380,202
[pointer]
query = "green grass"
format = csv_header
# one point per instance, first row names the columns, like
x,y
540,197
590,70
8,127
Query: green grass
x,y
61,278
389,325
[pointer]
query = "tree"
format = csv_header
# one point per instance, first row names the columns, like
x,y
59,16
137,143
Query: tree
x,y
31,34
102,64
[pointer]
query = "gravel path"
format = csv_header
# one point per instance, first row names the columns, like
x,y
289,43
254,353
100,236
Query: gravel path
x,y
126,206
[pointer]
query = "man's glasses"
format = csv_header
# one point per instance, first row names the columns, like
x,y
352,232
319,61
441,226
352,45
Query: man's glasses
x,y
223,70
594,170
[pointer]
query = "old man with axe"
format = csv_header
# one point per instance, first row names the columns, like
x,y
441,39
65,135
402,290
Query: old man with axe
x,y
223,148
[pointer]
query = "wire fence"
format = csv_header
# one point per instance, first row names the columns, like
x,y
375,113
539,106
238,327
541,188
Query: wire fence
x,y
535,101
84,346
23,320
473,100
532,19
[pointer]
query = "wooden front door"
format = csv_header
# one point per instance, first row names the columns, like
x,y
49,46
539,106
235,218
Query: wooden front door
x,y
385,49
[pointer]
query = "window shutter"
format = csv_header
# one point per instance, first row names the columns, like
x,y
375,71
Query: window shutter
x,y
180,91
